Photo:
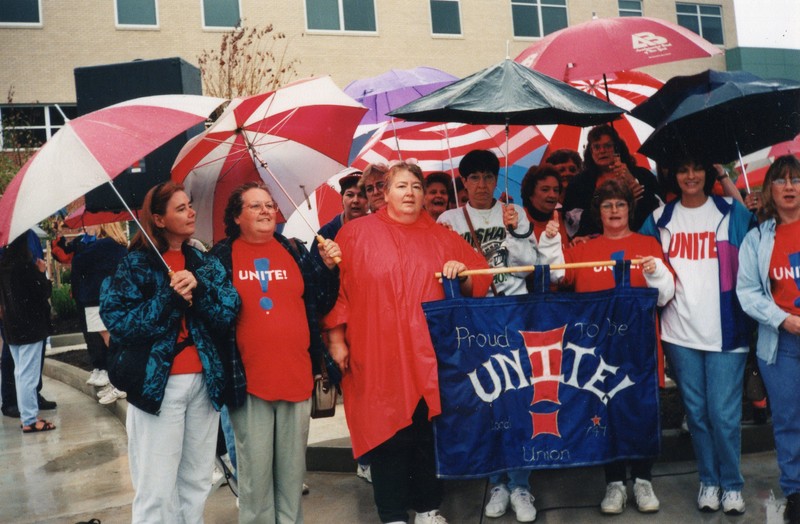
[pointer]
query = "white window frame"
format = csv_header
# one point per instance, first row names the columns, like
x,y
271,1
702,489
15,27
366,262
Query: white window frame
x,y
639,12
49,128
32,25
137,27
341,30
538,6
460,21
207,27
700,16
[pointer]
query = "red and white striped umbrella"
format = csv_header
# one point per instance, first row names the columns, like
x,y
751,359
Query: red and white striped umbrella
x,y
302,133
90,151
626,89
440,147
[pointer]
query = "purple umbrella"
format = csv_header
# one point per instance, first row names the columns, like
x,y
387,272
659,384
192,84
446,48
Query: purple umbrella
x,y
397,87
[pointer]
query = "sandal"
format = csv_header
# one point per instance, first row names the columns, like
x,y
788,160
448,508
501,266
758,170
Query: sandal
x,y
39,426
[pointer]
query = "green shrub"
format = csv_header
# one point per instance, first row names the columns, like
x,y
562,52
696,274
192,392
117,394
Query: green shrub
x,y
63,303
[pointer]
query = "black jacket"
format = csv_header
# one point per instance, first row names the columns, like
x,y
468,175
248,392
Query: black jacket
x,y
24,294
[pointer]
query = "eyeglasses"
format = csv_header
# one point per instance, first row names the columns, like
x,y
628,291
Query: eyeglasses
x,y
256,207
784,180
608,146
485,177
378,186
608,206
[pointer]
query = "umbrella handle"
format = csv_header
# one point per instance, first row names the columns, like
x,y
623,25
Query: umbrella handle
x,y
321,240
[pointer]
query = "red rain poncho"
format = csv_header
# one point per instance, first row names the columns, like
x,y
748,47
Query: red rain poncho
x,y
387,271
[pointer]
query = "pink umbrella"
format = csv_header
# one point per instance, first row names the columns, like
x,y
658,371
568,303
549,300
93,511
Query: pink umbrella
x,y
90,151
81,218
790,147
294,138
626,89
606,45
440,147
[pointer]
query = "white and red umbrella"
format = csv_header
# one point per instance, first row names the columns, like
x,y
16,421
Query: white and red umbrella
x,y
440,147
606,45
90,151
293,138
626,89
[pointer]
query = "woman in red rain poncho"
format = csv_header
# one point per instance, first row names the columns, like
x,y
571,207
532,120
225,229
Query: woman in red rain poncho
x,y
380,340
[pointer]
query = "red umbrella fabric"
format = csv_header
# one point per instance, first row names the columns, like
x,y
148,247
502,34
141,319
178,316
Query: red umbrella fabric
x,y
81,218
303,131
91,150
440,147
606,45
626,89
790,147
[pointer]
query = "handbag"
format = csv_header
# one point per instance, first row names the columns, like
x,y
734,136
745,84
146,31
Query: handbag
x,y
323,396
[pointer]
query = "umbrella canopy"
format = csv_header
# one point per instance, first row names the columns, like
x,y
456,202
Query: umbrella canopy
x,y
301,131
625,89
718,116
604,45
81,218
392,89
91,150
509,93
440,147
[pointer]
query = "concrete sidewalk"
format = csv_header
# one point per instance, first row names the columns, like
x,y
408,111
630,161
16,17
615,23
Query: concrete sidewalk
x,y
80,471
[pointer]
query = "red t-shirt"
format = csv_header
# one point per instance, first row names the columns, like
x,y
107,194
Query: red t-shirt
x,y
603,248
188,360
783,274
272,329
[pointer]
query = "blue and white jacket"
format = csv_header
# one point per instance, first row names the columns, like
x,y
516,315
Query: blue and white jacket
x,y
143,315
736,325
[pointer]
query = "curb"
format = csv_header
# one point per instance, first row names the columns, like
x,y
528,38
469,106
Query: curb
x,y
336,455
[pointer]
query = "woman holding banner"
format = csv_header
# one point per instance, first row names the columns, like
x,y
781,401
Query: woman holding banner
x,y
704,330
380,340
613,206
768,290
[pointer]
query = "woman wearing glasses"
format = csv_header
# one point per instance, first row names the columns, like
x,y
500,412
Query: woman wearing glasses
x,y
613,206
769,273
275,350
162,325
607,157
705,333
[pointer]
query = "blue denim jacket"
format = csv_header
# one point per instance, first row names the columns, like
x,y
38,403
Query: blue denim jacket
x,y
755,291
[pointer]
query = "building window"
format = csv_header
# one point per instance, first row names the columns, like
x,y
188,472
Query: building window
x,y
21,13
445,17
705,20
221,14
341,15
30,126
137,12
537,18
630,8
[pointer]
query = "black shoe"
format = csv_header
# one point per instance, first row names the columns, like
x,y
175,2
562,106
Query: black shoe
x,y
792,512
46,404
11,411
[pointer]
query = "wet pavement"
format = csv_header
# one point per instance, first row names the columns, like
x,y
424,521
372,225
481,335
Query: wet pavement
x,y
80,471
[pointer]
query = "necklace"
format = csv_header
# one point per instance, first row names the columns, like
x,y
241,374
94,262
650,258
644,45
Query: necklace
x,y
484,214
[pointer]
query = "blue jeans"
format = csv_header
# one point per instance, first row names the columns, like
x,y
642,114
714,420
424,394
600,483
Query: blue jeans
x,y
711,386
27,372
517,478
783,380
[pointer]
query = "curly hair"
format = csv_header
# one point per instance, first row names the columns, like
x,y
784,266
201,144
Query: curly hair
x,y
532,178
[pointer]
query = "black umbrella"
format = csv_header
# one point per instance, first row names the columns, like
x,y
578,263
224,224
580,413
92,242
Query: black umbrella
x,y
719,116
509,93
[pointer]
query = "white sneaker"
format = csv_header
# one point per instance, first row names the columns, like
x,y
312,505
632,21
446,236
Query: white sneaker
x,y
91,381
102,378
364,472
498,502
614,501
708,498
112,396
732,503
217,478
522,504
430,517
646,500
102,392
